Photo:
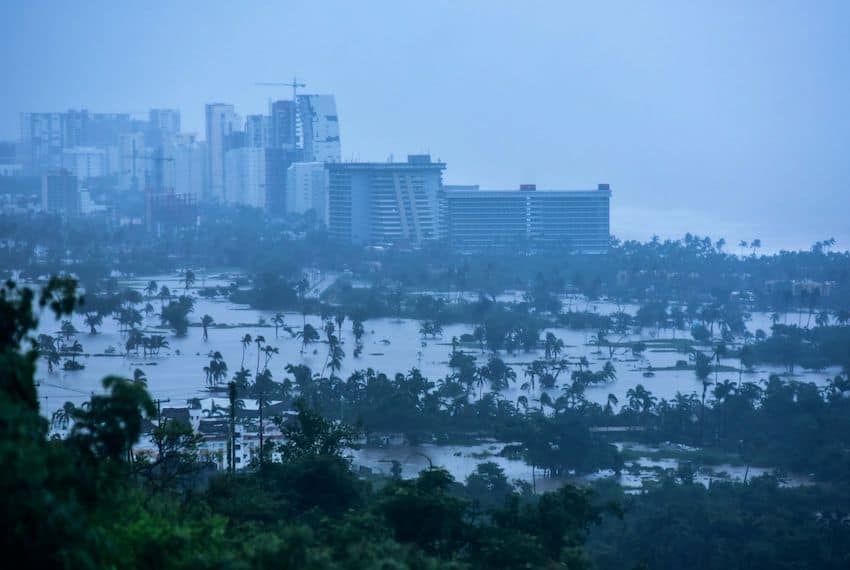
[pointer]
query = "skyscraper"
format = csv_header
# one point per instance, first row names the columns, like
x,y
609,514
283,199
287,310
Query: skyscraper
x,y
41,141
221,123
257,131
163,124
319,128
385,203
283,130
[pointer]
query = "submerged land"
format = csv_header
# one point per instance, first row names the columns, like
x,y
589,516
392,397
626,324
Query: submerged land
x,y
275,395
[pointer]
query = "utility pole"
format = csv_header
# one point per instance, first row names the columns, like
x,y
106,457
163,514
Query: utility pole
x,y
159,423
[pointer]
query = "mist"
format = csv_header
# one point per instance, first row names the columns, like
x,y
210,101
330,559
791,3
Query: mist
x,y
732,115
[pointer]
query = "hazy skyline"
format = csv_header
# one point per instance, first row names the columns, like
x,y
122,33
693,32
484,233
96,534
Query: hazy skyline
x,y
716,118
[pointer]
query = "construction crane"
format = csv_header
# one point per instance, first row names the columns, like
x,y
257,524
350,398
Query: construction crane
x,y
157,158
294,84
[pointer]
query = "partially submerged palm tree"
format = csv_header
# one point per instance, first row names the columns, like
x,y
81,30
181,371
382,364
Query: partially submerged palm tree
x,y
278,322
206,321
308,335
188,279
92,320
151,288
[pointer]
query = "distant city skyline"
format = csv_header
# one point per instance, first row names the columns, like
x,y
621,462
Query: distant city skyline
x,y
694,119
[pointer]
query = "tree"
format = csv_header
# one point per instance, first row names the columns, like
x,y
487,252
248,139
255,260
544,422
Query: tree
x,y
164,295
278,321
206,322
92,320
176,314
246,342
641,400
259,340
188,279
111,424
311,434
308,335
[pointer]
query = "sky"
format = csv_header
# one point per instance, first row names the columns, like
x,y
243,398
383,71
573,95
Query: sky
x,y
724,118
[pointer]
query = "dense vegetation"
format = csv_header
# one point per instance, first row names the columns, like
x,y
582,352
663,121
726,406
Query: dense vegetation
x,y
89,502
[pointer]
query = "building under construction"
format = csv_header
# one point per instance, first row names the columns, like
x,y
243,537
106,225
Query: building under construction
x,y
165,210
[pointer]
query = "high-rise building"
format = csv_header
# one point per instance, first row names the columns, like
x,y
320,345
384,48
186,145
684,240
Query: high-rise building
x,y
60,194
307,189
257,131
44,136
385,203
41,141
85,162
283,125
221,123
319,128
163,124
184,168
527,219
245,181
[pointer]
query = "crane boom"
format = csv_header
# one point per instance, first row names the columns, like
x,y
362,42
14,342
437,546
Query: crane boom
x,y
294,84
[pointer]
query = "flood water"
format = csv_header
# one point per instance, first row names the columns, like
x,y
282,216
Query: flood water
x,y
390,346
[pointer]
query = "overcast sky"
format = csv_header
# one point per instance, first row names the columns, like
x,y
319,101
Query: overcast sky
x,y
731,118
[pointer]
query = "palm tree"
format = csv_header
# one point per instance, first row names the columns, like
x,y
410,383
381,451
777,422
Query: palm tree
x,y
336,356
582,362
278,321
534,370
151,288
259,340
140,376
552,346
206,321
611,403
92,320
217,369
641,400
53,360
718,353
743,245
68,330
75,349
62,417
156,342
269,351
301,288
339,319
308,335
188,279
246,342
164,295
